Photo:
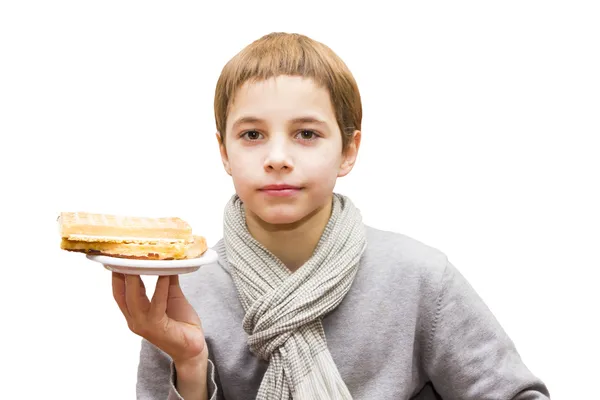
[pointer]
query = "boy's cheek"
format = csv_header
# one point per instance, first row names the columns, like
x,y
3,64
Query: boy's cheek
x,y
241,169
325,169
243,179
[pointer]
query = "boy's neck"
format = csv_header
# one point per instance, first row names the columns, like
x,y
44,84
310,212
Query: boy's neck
x,y
294,243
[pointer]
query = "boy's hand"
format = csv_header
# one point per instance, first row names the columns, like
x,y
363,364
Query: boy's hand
x,y
168,321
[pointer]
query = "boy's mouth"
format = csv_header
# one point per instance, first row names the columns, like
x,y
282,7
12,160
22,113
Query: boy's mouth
x,y
280,190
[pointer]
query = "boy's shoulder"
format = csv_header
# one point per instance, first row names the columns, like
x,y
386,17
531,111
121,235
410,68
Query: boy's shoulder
x,y
395,253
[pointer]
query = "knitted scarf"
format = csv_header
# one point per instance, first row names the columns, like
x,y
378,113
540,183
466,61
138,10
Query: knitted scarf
x,y
283,310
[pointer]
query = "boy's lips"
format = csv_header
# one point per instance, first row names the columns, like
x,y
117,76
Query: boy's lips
x,y
280,190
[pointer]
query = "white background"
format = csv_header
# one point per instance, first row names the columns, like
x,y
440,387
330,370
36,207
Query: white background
x,y
481,127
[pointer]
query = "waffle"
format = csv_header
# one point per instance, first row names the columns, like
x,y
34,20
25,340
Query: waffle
x,y
91,227
149,251
129,237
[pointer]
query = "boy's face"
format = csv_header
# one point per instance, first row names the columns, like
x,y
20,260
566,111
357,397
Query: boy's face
x,y
283,149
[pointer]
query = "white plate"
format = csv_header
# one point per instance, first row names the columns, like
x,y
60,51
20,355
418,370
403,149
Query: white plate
x,y
130,266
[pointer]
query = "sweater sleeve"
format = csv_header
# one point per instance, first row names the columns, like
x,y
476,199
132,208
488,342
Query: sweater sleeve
x,y
468,355
157,377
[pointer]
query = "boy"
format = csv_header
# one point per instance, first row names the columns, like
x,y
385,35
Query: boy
x,y
305,301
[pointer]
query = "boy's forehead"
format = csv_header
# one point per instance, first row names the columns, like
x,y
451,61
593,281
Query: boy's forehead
x,y
280,86
290,97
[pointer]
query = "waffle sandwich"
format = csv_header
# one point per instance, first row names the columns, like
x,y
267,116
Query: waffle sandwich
x,y
129,237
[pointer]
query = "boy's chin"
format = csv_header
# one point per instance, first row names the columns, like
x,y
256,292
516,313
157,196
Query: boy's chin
x,y
281,216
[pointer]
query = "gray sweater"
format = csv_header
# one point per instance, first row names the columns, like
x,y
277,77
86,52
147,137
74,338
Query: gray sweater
x,y
411,327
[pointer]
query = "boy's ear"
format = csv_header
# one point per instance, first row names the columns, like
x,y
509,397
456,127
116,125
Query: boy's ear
x,y
223,152
350,154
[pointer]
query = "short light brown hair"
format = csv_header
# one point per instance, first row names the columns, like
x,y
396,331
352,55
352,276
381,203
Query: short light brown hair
x,y
293,54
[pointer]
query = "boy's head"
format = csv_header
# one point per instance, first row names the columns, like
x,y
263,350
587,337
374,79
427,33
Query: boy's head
x,y
291,54
288,115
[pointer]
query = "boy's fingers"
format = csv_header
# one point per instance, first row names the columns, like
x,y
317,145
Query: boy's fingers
x,y
118,288
158,306
135,294
175,291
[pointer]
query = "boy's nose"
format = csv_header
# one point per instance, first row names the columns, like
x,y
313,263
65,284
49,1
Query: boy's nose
x,y
278,158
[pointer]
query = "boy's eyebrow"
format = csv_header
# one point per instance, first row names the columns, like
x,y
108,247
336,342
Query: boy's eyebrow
x,y
309,120
246,120
298,120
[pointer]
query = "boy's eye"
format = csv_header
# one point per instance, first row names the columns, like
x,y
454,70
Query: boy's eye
x,y
251,135
307,134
